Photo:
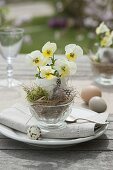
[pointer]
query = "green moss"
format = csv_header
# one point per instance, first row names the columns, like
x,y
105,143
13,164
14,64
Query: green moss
x,y
35,93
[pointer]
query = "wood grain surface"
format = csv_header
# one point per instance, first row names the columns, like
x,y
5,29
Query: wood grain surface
x,y
93,155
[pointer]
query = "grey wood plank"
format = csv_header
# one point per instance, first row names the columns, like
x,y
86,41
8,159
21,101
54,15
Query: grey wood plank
x,y
55,160
110,126
108,135
2,136
110,118
94,145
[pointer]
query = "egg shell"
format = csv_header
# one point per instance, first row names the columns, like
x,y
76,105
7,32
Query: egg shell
x,y
90,91
97,104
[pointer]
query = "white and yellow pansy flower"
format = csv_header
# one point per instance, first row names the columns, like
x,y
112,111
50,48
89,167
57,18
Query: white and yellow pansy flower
x,y
36,58
62,66
48,49
107,41
47,72
73,51
102,28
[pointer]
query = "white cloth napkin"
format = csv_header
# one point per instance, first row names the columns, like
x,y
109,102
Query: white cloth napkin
x,y
18,117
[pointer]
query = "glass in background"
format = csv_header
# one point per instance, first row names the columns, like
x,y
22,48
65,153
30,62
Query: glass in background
x,y
10,44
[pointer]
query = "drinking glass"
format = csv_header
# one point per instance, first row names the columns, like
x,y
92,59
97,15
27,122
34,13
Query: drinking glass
x,y
10,44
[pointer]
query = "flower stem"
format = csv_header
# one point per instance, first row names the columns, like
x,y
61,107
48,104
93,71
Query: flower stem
x,y
38,75
53,61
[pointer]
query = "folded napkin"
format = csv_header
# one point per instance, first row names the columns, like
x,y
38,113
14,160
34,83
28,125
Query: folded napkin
x,y
18,117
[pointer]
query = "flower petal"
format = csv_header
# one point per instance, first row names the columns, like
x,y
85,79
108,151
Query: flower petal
x,y
78,51
47,72
61,65
49,46
36,58
102,28
70,47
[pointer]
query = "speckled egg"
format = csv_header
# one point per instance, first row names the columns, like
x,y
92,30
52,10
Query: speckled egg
x,y
33,132
97,104
90,91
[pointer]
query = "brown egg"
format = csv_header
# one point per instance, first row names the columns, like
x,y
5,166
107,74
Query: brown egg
x,y
90,91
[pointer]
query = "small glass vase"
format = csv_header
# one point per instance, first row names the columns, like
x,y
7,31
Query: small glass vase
x,y
103,66
103,73
50,117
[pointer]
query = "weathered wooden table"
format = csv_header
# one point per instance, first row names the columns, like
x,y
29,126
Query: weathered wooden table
x,y
93,155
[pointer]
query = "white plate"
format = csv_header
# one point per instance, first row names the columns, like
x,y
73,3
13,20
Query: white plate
x,y
48,143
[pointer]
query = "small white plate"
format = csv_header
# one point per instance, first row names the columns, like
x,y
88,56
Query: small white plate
x,y
48,143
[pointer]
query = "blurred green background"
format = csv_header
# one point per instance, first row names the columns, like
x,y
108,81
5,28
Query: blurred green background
x,y
60,21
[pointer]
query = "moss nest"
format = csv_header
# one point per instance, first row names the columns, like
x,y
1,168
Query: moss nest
x,y
38,95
